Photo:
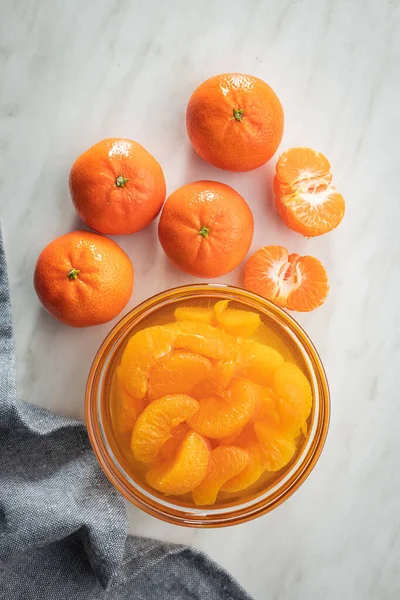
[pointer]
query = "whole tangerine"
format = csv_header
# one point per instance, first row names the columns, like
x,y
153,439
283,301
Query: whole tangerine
x,y
83,279
235,121
206,228
117,187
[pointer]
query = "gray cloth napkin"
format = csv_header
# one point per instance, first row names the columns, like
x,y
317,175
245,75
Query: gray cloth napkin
x,y
63,527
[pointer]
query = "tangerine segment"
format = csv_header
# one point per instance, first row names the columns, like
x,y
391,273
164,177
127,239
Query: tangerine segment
x,y
310,213
304,195
236,322
217,381
303,169
177,373
148,345
296,282
267,406
221,417
204,339
226,462
155,424
294,396
251,473
244,438
186,471
277,447
170,448
127,408
258,361
195,313
141,354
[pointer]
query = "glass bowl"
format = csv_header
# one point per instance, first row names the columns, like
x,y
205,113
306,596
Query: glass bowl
x,y
112,461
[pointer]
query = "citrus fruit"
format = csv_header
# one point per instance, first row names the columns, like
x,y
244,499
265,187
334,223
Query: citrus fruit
x,y
204,339
177,373
294,396
305,197
127,407
235,121
292,281
83,278
206,228
117,187
278,447
147,346
141,354
155,424
237,322
226,462
220,417
216,383
170,447
195,313
258,361
186,471
250,474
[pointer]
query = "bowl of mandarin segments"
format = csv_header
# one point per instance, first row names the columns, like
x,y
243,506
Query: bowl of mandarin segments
x,y
207,406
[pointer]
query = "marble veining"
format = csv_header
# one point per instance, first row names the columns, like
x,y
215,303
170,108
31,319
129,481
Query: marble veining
x,y
73,73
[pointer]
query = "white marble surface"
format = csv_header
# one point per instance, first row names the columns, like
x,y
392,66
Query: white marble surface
x,y
75,72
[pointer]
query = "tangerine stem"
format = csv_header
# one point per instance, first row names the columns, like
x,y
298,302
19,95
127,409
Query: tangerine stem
x,y
238,114
73,274
204,231
121,181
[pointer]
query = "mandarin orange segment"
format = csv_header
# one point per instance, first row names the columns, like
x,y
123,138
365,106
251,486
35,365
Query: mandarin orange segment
x,y
155,424
237,322
296,282
267,405
278,447
246,437
141,354
204,339
195,313
294,396
170,448
226,462
227,415
258,362
127,407
218,380
186,471
250,474
177,373
304,195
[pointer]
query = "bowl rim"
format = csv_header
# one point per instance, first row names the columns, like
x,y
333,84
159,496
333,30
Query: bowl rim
x,y
172,512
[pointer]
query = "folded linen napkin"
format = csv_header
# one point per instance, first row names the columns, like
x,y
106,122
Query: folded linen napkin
x,y
63,527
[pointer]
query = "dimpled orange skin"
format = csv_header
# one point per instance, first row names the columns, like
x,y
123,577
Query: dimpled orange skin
x,y
235,121
117,187
206,228
83,279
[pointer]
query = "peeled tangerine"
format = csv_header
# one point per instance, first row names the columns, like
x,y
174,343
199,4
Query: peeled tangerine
x,y
156,423
304,195
186,471
226,462
289,280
